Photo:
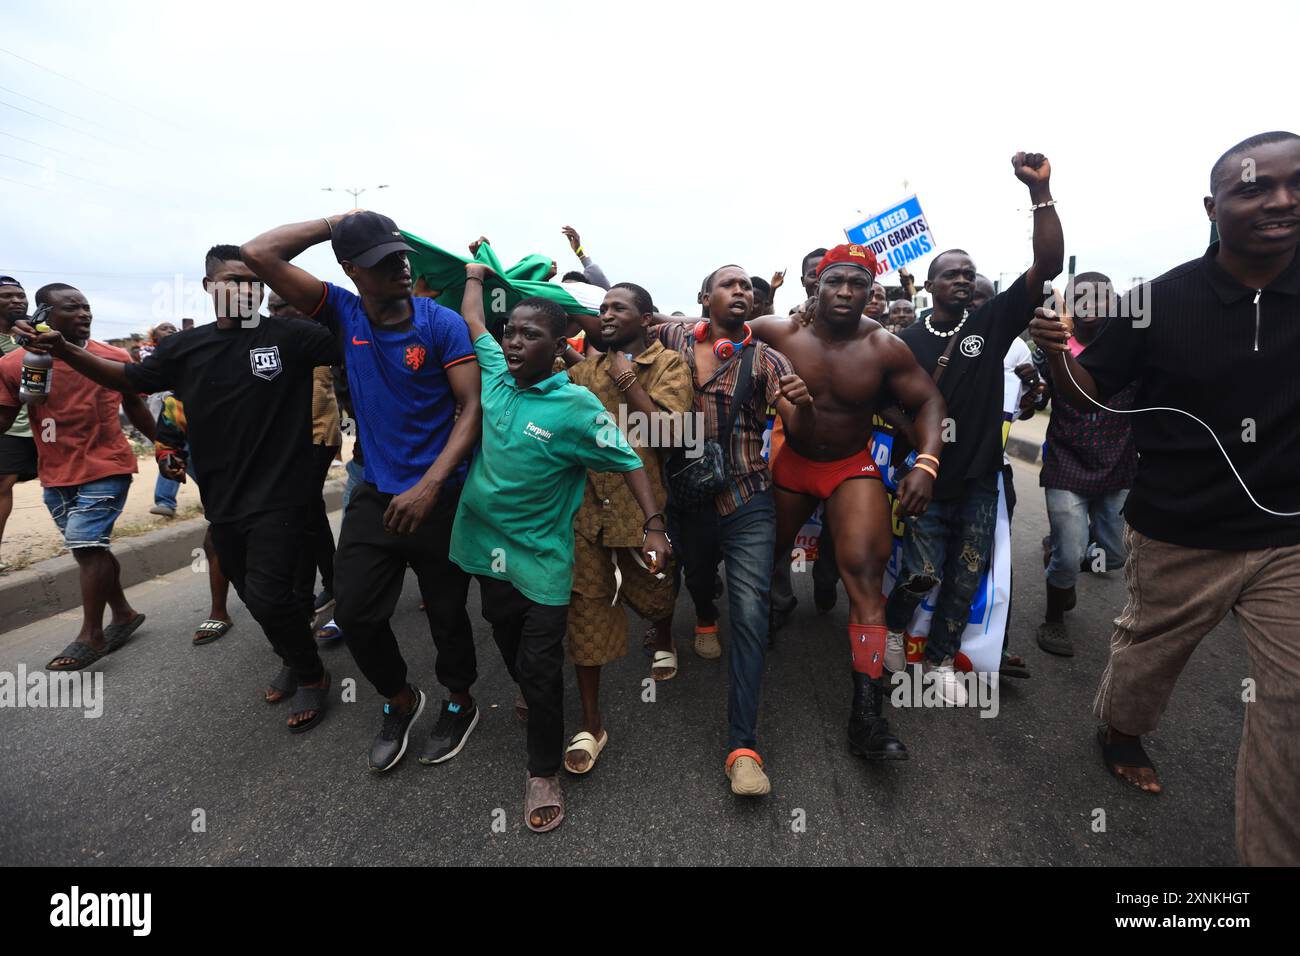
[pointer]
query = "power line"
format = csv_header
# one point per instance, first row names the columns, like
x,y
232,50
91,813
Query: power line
x,y
64,125
52,149
83,179
19,182
51,106
92,89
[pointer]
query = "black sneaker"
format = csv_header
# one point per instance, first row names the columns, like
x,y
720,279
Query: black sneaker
x,y
455,723
391,742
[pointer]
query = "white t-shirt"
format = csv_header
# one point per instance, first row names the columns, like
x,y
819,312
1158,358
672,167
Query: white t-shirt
x,y
1013,389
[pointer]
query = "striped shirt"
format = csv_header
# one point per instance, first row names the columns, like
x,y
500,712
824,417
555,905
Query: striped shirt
x,y
747,468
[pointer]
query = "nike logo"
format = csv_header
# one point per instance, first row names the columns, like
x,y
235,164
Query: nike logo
x,y
357,341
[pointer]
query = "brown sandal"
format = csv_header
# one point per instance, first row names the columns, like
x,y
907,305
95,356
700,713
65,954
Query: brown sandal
x,y
543,792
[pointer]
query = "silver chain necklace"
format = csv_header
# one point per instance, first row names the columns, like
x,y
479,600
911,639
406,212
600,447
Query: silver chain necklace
x,y
951,332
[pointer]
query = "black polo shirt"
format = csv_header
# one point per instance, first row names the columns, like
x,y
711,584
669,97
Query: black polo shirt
x,y
1198,340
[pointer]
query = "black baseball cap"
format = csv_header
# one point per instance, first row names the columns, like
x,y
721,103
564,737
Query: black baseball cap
x,y
366,237
10,280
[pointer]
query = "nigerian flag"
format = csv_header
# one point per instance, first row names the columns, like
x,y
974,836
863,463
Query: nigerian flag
x,y
444,273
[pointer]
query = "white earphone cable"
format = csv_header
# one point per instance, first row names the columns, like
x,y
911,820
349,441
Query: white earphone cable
x,y
1222,450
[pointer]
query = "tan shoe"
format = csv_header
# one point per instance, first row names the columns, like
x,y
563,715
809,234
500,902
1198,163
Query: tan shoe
x,y
706,641
745,771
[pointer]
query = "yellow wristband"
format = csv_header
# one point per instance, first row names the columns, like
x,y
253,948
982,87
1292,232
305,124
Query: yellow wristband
x,y
927,469
931,457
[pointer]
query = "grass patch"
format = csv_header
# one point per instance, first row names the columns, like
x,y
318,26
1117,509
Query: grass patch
x,y
131,529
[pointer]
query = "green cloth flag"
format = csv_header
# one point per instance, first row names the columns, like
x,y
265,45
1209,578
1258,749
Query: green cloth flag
x,y
444,272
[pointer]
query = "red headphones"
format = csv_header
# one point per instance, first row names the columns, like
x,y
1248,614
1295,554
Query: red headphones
x,y
723,348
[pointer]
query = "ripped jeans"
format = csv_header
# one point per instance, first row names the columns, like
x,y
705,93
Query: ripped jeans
x,y
949,543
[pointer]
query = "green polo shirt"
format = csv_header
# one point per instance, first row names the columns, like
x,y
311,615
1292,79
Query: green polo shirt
x,y
20,428
515,520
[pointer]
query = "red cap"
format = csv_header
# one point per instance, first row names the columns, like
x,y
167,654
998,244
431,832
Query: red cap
x,y
849,254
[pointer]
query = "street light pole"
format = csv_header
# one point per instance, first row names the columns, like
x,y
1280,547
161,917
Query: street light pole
x,y
354,192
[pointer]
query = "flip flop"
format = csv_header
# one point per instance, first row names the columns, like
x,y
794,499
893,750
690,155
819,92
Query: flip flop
x,y
210,630
116,635
664,660
1013,665
543,792
285,682
1126,753
310,698
83,654
583,742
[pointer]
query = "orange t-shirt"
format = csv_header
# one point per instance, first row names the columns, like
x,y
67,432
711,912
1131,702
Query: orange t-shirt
x,y
78,434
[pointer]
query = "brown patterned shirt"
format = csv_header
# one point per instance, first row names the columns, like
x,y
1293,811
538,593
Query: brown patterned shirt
x,y
609,514
324,409
748,468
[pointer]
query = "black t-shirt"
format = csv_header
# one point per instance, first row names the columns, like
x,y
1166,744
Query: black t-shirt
x,y
1196,339
973,384
247,398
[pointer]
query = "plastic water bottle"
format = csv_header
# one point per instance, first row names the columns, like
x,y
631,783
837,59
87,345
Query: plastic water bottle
x,y
37,373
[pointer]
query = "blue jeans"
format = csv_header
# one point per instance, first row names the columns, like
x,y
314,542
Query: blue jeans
x,y
86,513
1077,521
356,475
950,543
746,539
164,491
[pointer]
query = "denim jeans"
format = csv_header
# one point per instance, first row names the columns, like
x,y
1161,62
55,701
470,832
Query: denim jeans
x,y
356,475
1075,522
85,513
164,491
746,539
949,543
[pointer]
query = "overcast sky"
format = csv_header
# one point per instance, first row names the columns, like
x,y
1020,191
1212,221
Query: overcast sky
x,y
675,136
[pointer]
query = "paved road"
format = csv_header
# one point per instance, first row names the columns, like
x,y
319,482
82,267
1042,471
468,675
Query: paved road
x,y
184,728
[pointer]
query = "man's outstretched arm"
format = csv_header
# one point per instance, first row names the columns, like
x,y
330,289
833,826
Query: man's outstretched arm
x,y
471,302
1035,172
101,371
270,255
1070,380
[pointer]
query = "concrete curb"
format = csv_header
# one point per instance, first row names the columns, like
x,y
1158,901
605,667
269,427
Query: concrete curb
x,y
52,586
1024,449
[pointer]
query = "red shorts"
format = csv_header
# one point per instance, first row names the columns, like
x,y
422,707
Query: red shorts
x,y
793,472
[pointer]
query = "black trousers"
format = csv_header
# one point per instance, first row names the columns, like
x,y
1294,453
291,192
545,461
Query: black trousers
x,y
369,567
322,457
826,572
268,558
699,569
531,639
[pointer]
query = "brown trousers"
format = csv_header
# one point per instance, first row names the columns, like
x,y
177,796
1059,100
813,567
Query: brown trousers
x,y
1176,595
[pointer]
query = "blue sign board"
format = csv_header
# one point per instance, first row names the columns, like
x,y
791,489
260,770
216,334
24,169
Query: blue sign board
x,y
897,235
